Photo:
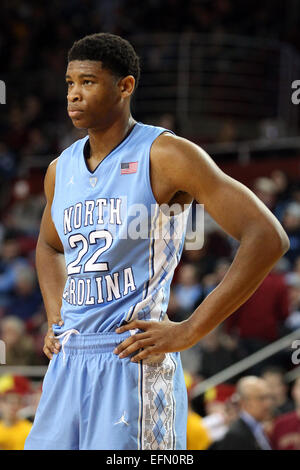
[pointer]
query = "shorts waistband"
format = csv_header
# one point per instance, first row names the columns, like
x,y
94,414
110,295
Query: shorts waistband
x,y
93,342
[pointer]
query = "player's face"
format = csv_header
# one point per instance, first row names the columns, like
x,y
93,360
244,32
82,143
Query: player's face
x,y
94,95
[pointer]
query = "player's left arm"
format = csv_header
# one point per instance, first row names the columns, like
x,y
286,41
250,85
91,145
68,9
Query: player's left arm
x,y
188,168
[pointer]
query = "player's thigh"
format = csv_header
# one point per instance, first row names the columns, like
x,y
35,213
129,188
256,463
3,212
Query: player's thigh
x,y
110,417
135,406
56,421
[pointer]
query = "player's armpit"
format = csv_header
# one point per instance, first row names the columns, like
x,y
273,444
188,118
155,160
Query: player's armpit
x,y
48,237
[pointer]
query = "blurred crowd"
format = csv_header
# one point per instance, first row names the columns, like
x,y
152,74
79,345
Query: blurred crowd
x,y
34,40
259,412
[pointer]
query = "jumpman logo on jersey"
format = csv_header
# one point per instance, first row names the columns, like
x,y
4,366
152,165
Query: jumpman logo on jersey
x,y
71,180
122,420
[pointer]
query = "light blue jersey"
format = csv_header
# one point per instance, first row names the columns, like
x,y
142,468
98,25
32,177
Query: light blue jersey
x,y
120,248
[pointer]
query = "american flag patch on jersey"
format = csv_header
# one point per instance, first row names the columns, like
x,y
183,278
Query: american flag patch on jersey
x,y
130,167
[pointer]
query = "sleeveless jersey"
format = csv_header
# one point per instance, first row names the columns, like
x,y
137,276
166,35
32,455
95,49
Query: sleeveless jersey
x,y
120,247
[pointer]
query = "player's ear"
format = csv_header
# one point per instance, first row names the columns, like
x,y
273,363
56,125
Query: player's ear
x,y
126,85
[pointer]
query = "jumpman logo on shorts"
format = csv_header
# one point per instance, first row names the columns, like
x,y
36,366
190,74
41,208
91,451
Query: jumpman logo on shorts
x,y
122,420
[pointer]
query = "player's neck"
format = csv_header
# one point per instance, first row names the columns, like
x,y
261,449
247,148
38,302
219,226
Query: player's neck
x,y
103,141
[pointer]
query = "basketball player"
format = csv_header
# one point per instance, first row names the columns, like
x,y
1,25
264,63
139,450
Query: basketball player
x,y
115,379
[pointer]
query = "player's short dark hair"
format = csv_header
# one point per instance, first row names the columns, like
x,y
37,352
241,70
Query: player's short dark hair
x,y
116,54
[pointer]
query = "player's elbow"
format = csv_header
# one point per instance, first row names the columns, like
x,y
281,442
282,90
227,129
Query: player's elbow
x,y
285,242
276,240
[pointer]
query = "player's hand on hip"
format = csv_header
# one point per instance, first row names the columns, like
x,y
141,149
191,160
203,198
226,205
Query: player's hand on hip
x,y
156,337
51,345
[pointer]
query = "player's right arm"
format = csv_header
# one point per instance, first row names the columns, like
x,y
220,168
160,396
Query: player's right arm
x,y
50,265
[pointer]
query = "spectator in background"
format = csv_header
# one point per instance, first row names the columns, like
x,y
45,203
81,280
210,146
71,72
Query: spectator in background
x,y
217,242
27,300
37,328
203,261
167,121
198,437
246,433
296,267
295,191
25,212
211,280
174,309
19,345
219,410
286,429
37,144
188,289
261,319
13,430
274,377
7,170
70,135
265,189
218,351
28,411
222,266
291,224
283,196
293,282
33,113
228,131
10,263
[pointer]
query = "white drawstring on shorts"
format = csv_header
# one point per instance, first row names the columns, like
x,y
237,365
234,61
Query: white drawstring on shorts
x,y
66,335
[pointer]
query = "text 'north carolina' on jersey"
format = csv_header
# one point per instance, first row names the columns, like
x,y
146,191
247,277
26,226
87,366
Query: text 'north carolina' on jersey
x,y
120,248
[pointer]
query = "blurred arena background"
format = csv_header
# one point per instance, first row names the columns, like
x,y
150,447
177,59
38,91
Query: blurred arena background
x,y
219,73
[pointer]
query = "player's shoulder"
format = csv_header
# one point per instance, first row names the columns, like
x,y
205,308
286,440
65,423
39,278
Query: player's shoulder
x,y
174,153
49,180
167,143
51,171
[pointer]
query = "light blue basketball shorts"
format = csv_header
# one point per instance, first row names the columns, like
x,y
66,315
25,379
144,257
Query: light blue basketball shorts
x,y
92,399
